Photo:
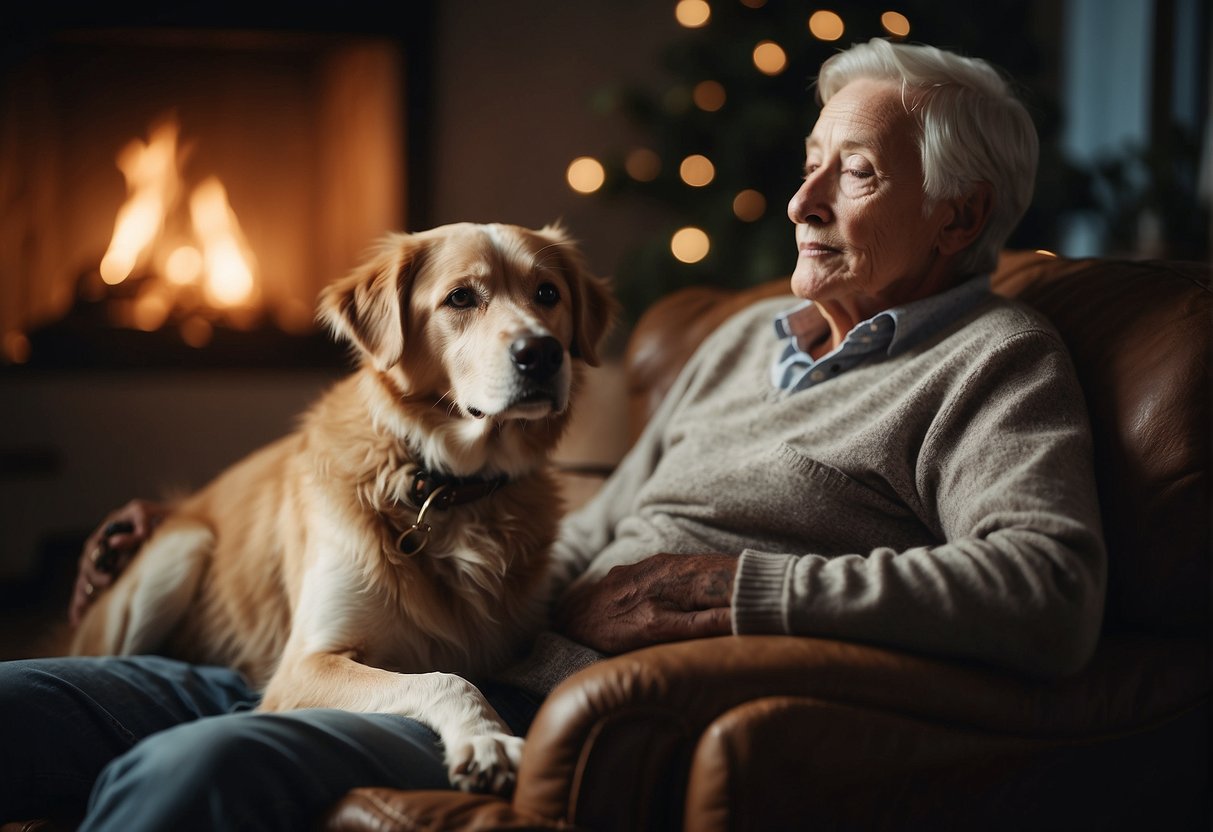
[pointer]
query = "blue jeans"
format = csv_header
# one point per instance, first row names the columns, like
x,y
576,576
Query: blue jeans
x,y
151,743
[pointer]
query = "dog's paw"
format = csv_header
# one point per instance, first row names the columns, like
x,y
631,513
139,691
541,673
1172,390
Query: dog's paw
x,y
485,763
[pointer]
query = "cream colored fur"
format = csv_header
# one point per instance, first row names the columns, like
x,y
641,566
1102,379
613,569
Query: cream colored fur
x,y
286,565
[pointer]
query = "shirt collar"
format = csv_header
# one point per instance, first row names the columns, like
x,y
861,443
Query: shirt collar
x,y
911,323
923,318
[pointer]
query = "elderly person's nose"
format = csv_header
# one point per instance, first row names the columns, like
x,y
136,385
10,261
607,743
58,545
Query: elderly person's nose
x,y
810,202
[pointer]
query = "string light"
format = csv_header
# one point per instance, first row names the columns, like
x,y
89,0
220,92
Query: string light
x,y
642,164
895,23
709,96
690,244
697,170
826,25
770,58
749,205
693,13
585,174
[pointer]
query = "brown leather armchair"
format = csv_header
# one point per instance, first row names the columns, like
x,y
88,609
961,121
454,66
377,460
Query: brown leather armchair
x,y
773,732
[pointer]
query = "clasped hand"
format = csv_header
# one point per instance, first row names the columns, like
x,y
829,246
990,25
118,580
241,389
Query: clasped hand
x,y
663,598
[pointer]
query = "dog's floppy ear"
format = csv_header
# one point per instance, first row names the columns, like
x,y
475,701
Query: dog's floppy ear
x,y
366,307
594,304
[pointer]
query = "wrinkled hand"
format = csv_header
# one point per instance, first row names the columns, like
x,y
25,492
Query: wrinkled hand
x,y
109,549
663,598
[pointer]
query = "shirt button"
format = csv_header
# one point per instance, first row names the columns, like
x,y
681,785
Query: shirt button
x,y
875,327
816,375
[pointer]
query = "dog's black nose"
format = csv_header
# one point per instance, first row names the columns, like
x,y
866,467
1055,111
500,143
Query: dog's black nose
x,y
537,357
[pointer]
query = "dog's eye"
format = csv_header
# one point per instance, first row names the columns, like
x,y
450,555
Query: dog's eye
x,y
461,299
547,295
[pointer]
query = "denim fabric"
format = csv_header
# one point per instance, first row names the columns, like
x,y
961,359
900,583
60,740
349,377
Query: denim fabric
x,y
151,743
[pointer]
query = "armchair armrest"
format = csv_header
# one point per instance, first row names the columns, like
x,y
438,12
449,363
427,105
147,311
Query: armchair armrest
x,y
613,746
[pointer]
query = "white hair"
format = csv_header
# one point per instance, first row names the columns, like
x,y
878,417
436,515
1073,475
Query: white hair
x,y
974,129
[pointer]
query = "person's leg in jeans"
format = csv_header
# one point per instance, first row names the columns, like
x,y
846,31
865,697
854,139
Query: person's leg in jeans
x,y
261,771
171,769
63,720
273,771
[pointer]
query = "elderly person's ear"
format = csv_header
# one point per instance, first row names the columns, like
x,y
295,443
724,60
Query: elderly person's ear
x,y
969,215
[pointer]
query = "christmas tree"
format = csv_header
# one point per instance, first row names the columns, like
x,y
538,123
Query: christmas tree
x,y
723,139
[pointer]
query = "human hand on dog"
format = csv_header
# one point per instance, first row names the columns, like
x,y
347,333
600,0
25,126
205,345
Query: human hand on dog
x,y
663,598
108,550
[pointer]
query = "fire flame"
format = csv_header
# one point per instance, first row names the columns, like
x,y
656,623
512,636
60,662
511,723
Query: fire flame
x,y
229,274
214,253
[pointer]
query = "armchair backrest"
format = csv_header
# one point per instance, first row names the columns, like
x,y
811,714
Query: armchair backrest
x,y
1138,332
1139,335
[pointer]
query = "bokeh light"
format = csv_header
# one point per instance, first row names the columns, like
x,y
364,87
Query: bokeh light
x,y
826,25
197,332
749,205
585,174
770,58
150,311
697,170
709,96
690,244
642,164
895,23
693,13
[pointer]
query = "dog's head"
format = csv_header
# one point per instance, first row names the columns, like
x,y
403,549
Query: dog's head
x,y
487,320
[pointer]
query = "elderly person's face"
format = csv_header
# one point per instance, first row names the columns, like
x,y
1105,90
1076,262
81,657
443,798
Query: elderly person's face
x,y
862,236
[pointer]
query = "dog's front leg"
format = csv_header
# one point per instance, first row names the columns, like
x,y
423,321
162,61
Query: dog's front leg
x,y
480,752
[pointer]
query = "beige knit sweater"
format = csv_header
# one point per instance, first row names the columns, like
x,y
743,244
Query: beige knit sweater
x,y
941,500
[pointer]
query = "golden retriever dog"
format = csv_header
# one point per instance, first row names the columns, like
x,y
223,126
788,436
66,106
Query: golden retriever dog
x,y
394,545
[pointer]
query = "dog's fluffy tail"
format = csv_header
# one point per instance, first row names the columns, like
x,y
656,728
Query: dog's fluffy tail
x,y
153,595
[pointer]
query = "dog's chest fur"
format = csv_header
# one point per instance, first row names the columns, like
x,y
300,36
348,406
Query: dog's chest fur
x,y
467,598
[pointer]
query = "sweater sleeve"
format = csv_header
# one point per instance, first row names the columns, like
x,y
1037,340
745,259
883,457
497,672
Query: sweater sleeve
x,y
1004,478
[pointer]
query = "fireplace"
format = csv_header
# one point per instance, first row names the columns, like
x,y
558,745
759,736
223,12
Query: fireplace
x,y
177,191
285,145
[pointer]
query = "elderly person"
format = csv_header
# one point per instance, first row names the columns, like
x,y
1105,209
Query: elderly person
x,y
903,458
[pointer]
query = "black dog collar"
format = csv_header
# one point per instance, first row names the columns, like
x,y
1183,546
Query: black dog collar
x,y
454,490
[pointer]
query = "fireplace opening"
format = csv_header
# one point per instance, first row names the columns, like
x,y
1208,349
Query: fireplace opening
x,y
176,196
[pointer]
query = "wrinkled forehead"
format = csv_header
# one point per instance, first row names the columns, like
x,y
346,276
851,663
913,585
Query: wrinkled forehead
x,y
875,114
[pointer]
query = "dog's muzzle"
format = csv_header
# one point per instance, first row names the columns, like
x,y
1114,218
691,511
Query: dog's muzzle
x,y
539,386
537,357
